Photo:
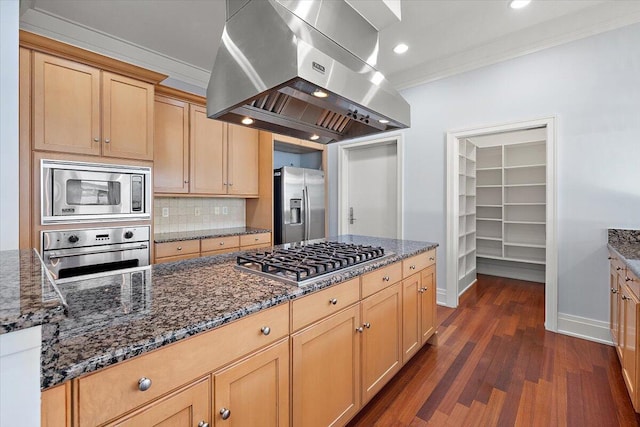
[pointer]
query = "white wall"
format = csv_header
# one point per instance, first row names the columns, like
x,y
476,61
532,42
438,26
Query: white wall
x,y
592,86
9,16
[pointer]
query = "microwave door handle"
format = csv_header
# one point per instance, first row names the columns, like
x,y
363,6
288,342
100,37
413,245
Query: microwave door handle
x,y
54,256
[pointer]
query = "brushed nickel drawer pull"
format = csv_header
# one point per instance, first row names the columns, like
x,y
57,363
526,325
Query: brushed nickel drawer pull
x,y
386,278
266,330
333,301
144,384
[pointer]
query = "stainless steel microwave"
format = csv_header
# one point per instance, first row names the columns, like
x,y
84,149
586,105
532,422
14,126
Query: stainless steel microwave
x,y
74,192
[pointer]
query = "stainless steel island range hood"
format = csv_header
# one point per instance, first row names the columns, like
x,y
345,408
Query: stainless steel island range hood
x,y
303,68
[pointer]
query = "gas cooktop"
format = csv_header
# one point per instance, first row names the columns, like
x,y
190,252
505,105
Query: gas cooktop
x,y
300,265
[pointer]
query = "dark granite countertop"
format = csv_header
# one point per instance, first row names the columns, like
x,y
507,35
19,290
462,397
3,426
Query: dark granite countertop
x,y
627,244
27,296
204,234
116,317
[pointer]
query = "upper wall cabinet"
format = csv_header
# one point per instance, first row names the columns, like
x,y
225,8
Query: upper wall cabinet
x,y
197,155
83,110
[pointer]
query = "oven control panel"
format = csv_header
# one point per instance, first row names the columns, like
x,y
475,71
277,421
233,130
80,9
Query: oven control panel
x,y
64,239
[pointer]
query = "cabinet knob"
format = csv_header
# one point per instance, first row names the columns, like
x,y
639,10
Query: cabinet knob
x,y
360,329
203,424
186,182
422,290
231,184
432,258
412,267
386,278
225,413
221,243
609,258
144,384
628,279
333,301
96,139
107,140
224,183
179,248
256,238
624,297
266,330
367,325
614,291
618,268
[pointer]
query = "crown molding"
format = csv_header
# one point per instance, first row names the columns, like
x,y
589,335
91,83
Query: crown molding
x,y
57,28
593,21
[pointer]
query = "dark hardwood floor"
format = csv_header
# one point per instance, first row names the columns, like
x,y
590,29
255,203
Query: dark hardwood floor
x,y
495,365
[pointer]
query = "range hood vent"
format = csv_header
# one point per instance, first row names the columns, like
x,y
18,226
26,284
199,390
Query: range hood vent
x,y
302,68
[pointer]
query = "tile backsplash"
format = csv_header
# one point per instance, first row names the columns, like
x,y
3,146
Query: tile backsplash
x,y
197,213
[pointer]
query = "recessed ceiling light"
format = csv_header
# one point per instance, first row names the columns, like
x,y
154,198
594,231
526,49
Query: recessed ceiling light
x,y
314,137
247,121
383,121
518,4
320,94
401,48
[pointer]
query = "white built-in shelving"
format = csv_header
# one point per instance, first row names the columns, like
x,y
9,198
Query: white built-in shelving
x,y
511,202
467,219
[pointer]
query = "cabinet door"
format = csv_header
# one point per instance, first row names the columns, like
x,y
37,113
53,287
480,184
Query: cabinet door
x,y
411,321
614,304
255,391
326,371
243,161
66,106
127,117
208,154
629,307
171,146
381,339
184,408
427,303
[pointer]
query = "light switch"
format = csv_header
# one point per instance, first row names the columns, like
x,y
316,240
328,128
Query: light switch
x,y
225,210
216,210
165,212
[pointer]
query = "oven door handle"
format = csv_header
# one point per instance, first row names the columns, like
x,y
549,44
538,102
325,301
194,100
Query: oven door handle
x,y
54,256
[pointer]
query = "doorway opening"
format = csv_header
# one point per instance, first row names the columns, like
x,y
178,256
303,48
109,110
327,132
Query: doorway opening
x,y
370,190
501,204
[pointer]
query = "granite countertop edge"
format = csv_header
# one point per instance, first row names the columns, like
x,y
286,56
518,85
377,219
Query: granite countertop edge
x,y
33,318
52,375
206,234
632,263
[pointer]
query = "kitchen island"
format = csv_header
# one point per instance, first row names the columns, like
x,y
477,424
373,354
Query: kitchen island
x,y
144,314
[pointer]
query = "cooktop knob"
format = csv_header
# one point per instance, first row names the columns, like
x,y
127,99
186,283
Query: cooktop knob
x,y
128,234
73,238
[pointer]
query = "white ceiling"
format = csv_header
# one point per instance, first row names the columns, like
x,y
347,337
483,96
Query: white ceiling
x,y
445,37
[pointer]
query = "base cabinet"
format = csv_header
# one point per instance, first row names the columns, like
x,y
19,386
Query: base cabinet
x,y
254,391
326,371
381,339
188,407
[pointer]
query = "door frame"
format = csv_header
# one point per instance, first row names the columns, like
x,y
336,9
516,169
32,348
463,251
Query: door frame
x,y
453,208
395,138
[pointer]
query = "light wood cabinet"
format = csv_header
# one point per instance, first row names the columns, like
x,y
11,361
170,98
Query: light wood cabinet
x,y
219,245
254,391
184,408
427,296
615,283
628,324
411,319
326,371
381,339
198,155
55,406
186,249
82,110
171,146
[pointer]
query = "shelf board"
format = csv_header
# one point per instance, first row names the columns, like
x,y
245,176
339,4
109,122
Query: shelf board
x,y
495,239
488,206
526,222
488,219
528,261
525,245
469,232
537,184
538,165
496,168
525,204
469,251
489,186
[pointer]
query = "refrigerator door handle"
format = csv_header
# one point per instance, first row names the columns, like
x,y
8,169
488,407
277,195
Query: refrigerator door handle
x,y
307,213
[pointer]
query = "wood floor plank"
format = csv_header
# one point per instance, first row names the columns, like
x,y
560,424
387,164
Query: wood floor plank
x,y
495,365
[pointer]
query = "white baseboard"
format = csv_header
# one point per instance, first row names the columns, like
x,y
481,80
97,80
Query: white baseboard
x,y
585,328
441,297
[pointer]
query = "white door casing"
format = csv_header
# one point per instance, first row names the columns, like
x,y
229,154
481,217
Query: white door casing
x,y
370,181
551,262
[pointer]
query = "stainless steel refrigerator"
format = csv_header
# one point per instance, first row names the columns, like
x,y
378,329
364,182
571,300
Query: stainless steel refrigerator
x,y
298,204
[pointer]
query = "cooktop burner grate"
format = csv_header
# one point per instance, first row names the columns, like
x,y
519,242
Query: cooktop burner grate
x,y
298,264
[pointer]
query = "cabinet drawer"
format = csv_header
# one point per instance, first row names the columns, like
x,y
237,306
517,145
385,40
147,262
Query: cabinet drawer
x,y
380,278
418,262
177,258
106,394
219,243
314,307
633,283
183,247
255,239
